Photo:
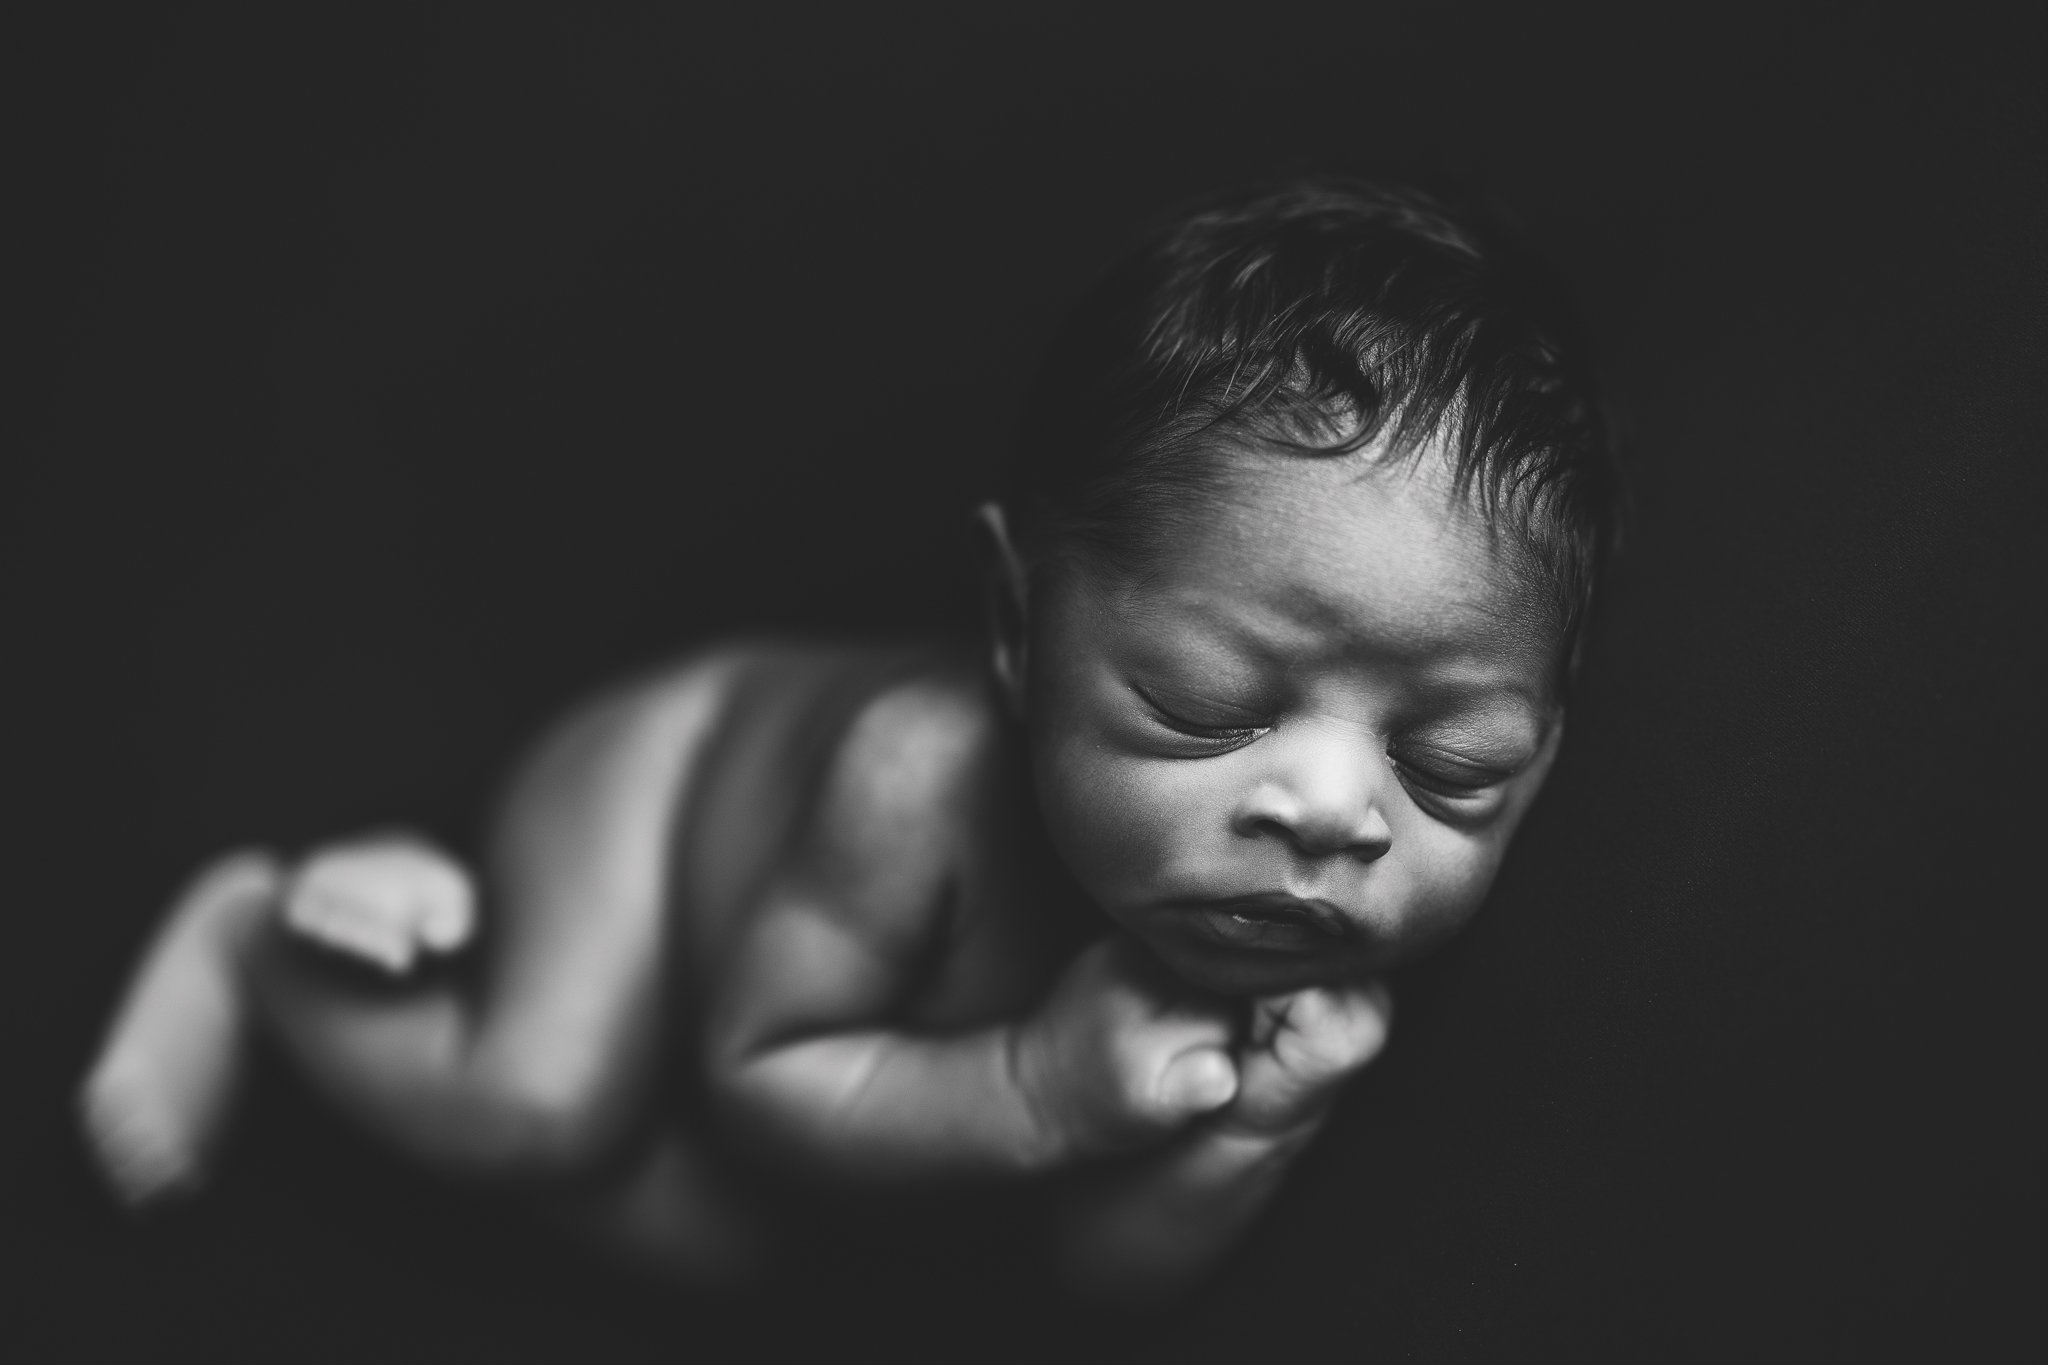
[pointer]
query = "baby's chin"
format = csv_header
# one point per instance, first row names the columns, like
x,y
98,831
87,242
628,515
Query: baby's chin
x,y
1241,972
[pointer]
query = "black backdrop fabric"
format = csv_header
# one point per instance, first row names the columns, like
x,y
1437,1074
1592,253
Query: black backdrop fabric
x,y
395,377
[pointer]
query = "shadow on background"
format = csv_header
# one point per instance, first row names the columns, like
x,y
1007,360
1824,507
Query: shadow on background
x,y
398,377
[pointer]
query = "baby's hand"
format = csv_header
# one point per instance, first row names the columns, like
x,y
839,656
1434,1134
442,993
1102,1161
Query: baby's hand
x,y
385,899
1120,1054
1301,1049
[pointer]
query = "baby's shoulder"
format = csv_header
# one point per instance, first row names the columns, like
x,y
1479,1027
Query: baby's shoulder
x,y
921,734
909,774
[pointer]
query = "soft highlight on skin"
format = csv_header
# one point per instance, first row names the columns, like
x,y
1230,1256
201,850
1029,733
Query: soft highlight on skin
x,y
1266,696
1358,621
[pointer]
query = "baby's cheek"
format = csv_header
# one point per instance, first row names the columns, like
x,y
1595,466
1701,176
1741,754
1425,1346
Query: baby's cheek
x,y
1448,874
1117,822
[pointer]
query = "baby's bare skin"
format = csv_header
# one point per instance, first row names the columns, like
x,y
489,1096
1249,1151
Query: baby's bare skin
x,y
881,951
157,1099
1117,1056
388,899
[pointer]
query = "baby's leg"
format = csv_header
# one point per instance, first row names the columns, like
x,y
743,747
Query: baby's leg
x,y
436,1070
539,1070
534,1072
158,1097
160,1094
666,1210
549,1065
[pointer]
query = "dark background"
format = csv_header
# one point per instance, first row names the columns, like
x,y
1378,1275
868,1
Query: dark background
x,y
391,378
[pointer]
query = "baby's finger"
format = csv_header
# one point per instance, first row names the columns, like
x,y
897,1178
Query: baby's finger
x,y
1196,1082
1178,1065
1329,1030
1268,1015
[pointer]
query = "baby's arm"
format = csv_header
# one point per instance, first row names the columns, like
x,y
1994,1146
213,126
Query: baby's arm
x,y
804,1056
803,1068
1153,1227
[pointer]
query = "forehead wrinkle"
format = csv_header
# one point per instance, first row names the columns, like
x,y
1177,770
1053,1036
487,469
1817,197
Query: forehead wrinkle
x,y
1296,559
1428,635
1281,575
1291,598
1469,690
1304,634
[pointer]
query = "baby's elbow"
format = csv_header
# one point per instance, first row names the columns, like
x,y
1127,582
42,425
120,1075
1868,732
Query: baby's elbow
x,y
768,1114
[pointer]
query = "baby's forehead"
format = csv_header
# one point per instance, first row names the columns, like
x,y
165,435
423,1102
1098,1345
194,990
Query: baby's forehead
x,y
1298,555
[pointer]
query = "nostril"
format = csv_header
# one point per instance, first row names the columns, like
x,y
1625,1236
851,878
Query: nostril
x,y
1300,839
1272,829
1371,849
1324,840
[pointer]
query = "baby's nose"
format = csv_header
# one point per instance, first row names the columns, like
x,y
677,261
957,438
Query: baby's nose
x,y
1316,836
1323,804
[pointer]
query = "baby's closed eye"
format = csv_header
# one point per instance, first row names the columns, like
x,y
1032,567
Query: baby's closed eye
x,y
1449,773
1457,788
1222,724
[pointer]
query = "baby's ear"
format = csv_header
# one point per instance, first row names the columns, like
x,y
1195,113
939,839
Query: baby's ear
x,y
1008,598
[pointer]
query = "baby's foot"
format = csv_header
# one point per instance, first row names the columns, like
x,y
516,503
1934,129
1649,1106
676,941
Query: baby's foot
x,y
159,1095
385,900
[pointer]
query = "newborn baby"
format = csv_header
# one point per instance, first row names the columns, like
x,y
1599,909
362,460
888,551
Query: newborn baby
x,y
1286,587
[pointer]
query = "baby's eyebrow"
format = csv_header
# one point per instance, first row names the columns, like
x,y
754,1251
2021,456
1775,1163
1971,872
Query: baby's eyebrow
x,y
1489,704
1305,632
1469,688
1443,667
1306,624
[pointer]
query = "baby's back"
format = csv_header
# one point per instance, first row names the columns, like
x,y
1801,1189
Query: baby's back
x,y
875,788
781,713
799,725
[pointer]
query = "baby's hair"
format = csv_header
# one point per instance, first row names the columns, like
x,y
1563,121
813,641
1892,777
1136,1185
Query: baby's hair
x,y
1317,318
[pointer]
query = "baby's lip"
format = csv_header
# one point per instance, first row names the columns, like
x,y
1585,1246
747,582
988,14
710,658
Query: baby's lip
x,y
1280,908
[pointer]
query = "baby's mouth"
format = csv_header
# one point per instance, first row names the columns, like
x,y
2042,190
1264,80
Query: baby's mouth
x,y
1266,923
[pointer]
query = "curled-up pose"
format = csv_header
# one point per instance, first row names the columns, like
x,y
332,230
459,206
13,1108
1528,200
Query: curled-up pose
x,y
1285,591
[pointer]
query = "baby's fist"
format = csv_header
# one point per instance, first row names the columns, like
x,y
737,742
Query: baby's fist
x,y
1301,1049
1121,1054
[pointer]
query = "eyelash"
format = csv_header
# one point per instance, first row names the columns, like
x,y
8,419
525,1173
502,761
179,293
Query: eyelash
x,y
1226,738
1444,788
1438,785
1223,736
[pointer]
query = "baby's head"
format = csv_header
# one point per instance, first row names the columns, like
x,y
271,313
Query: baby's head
x,y
1292,570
